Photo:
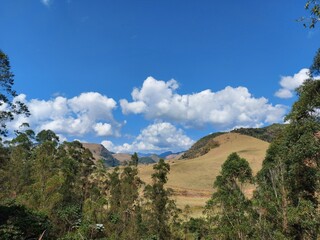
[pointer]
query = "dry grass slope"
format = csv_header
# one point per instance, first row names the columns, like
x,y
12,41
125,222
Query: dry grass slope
x,y
122,157
192,179
100,152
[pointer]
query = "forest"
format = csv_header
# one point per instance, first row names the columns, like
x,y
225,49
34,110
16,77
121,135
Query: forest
x,y
55,190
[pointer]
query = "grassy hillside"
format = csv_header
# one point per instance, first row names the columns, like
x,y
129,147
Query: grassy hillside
x,y
205,144
266,133
202,146
192,179
122,157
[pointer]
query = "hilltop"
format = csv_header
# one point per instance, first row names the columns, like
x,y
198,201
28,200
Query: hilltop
x,y
202,146
192,179
99,152
267,134
205,144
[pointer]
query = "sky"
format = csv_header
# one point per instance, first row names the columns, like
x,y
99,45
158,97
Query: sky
x,y
151,75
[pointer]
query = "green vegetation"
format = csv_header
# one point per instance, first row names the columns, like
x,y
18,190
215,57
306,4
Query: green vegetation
x,y
202,146
267,134
205,144
228,210
58,191
10,108
313,7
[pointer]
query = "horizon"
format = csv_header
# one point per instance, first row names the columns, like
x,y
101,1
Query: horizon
x,y
154,76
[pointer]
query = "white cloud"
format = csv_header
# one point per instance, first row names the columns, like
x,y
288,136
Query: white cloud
x,y
46,2
103,129
284,93
156,137
89,112
222,109
290,83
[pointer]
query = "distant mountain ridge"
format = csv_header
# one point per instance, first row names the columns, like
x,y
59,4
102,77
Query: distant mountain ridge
x,y
99,152
111,159
200,148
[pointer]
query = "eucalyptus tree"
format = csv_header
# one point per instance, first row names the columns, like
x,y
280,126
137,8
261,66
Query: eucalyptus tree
x,y
10,107
228,210
287,195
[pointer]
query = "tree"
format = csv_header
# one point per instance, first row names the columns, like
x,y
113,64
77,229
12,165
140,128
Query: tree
x,y
18,222
135,159
271,196
125,210
9,105
228,209
288,190
313,7
161,210
315,67
17,175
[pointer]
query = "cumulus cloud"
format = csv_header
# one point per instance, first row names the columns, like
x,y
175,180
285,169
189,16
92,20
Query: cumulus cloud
x,y
161,136
103,129
222,109
89,112
290,83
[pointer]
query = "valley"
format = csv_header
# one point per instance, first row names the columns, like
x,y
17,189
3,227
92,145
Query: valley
x,y
192,179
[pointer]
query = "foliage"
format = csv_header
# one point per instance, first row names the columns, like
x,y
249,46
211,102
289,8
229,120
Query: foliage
x,y
202,146
198,227
267,134
18,222
315,67
10,107
162,213
124,213
288,183
228,210
313,8
135,159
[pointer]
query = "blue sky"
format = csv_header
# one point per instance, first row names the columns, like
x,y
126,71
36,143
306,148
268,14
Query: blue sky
x,y
196,66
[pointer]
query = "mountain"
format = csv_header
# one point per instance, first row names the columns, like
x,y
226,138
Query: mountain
x,y
266,133
100,152
174,155
143,154
145,158
165,154
192,179
122,157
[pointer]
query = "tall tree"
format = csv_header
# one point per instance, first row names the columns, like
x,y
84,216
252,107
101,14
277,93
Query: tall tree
x,y
162,211
18,168
135,159
228,209
125,211
289,178
10,106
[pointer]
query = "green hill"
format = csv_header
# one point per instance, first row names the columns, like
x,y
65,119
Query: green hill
x,y
266,133
192,179
202,146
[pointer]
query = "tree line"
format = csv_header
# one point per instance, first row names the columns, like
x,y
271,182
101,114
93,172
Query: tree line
x,y
53,190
